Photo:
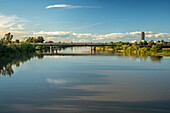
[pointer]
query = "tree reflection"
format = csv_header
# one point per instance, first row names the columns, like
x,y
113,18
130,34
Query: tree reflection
x,y
135,56
156,58
6,63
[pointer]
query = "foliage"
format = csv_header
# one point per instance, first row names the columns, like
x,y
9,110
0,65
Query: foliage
x,y
39,39
49,42
16,49
135,47
155,48
6,39
151,43
16,41
119,43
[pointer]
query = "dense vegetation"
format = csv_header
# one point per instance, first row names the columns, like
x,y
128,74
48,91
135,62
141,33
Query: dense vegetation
x,y
153,50
14,48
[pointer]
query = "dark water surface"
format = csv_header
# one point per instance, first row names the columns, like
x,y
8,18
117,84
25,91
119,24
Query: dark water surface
x,y
85,84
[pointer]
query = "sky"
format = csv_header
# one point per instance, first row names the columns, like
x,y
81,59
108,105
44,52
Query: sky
x,y
86,20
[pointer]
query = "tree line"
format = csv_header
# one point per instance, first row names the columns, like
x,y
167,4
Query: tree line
x,y
14,48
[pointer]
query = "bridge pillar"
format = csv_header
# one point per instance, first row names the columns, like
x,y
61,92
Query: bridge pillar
x,y
56,50
51,49
91,48
94,48
103,48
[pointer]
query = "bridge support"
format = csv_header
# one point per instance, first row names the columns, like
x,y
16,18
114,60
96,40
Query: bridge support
x,y
93,48
51,49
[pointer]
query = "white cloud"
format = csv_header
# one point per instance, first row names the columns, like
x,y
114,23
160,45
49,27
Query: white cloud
x,y
11,24
134,33
53,34
162,35
50,38
68,36
7,21
54,81
85,35
158,35
18,27
10,21
68,6
149,36
80,40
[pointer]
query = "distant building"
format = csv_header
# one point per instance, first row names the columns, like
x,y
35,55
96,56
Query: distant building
x,y
142,36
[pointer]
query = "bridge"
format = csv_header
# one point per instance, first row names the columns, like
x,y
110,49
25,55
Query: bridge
x,y
73,54
73,44
92,45
87,44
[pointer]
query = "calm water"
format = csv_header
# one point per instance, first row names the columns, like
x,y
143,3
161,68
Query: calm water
x,y
85,84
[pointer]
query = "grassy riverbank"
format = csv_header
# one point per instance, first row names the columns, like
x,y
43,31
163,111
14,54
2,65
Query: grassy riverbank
x,y
16,49
155,50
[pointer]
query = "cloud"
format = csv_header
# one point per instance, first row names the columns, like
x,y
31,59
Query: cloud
x,y
85,35
11,24
54,81
53,34
81,40
162,35
158,35
18,27
89,37
10,21
68,6
7,21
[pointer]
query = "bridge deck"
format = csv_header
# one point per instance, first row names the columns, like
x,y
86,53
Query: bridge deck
x,y
86,45
72,54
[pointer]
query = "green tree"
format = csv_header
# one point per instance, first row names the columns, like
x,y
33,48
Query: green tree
x,y
16,41
49,42
7,38
135,47
155,48
162,41
151,42
40,39
145,42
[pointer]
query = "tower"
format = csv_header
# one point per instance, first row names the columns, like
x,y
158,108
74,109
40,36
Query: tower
x,y
142,36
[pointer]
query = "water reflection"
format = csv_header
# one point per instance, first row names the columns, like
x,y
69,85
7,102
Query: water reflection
x,y
7,63
103,83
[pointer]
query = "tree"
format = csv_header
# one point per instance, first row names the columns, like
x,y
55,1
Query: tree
x,y
7,38
141,43
40,39
49,42
16,41
155,48
135,47
145,42
151,42
162,41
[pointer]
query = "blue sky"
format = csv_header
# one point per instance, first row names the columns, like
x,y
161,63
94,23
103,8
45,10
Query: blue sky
x,y
86,20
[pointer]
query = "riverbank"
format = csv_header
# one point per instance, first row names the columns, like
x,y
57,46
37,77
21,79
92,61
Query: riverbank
x,y
16,49
155,50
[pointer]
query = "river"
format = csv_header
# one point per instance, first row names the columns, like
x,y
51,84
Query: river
x,y
99,83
